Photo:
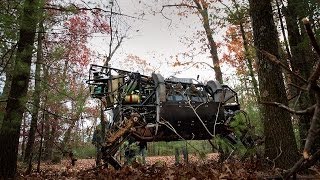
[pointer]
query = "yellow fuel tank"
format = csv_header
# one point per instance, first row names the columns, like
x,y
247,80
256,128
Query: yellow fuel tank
x,y
132,99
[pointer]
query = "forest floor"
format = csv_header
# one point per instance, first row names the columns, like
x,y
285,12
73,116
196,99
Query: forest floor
x,y
162,167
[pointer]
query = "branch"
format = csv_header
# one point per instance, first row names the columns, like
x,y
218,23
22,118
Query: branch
x,y
117,46
302,164
111,37
4,63
298,87
314,130
49,112
312,38
174,5
199,7
195,63
309,110
64,9
4,101
178,5
276,61
316,74
228,7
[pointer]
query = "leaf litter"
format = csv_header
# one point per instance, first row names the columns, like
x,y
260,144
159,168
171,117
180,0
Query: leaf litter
x,y
159,167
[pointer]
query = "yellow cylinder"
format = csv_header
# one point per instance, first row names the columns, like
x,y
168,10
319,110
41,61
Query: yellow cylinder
x,y
132,99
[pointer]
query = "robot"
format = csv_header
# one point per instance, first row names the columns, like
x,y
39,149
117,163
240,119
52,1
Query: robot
x,y
151,108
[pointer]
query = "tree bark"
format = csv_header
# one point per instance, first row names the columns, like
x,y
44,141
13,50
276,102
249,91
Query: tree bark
x,y
280,144
36,98
10,129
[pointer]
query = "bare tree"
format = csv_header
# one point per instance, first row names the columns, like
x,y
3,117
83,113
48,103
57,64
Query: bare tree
x,y
201,8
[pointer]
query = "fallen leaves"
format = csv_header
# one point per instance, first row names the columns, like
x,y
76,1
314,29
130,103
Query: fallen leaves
x,y
160,167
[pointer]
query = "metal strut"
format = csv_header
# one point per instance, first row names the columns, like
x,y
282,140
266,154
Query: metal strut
x,y
115,139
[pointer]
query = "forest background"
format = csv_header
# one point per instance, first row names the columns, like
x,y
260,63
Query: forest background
x,y
46,47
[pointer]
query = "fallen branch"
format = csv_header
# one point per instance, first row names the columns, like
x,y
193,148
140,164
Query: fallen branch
x,y
302,164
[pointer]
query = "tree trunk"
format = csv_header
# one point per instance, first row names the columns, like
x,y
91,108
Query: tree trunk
x,y
202,8
102,134
36,98
103,123
40,148
10,129
299,65
49,136
66,138
288,79
280,144
23,143
8,30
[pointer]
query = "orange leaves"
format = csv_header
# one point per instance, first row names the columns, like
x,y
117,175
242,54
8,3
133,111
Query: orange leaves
x,y
177,63
133,62
235,55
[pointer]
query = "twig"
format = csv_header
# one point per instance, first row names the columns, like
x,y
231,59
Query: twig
x,y
199,118
169,126
274,160
178,5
